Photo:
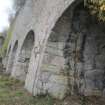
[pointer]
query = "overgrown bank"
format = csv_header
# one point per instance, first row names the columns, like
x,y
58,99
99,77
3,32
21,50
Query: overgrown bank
x,y
13,93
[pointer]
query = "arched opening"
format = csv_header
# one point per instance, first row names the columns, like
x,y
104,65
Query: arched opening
x,y
11,58
88,55
24,57
74,58
1,41
9,50
5,59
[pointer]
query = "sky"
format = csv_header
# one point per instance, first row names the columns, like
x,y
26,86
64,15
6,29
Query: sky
x,y
6,7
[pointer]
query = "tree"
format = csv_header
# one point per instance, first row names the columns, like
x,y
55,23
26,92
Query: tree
x,y
97,7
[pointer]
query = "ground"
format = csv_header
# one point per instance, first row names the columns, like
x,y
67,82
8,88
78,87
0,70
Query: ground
x,y
13,93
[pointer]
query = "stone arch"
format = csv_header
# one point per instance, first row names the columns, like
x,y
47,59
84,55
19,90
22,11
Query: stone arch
x,y
24,56
54,75
36,86
72,60
11,58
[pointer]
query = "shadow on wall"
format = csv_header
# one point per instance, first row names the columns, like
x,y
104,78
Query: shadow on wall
x,y
74,58
1,41
11,59
5,59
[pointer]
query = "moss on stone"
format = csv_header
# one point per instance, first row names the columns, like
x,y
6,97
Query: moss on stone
x,y
6,42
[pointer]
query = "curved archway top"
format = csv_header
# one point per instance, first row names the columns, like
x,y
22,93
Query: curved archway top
x,y
69,4
31,33
29,39
15,45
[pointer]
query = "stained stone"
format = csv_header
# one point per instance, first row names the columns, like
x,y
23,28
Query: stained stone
x,y
57,48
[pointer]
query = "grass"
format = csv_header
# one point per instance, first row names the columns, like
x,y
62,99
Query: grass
x,y
13,93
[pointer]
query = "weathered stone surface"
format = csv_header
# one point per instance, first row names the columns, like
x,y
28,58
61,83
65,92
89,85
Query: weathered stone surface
x,y
56,90
66,50
94,82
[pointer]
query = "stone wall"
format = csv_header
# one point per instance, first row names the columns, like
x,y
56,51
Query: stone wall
x,y
23,60
66,52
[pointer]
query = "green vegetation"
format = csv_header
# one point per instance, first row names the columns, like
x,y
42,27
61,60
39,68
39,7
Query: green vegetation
x,y
97,7
13,93
6,42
